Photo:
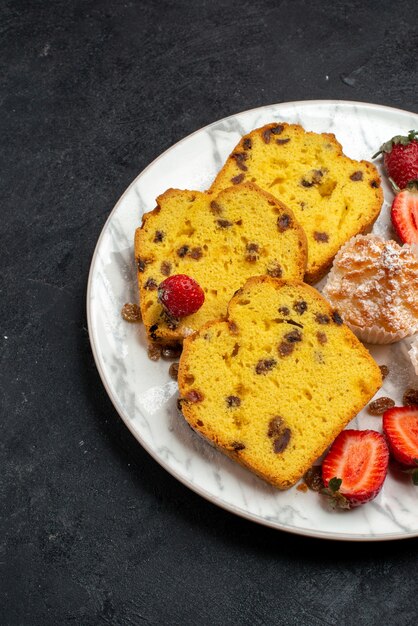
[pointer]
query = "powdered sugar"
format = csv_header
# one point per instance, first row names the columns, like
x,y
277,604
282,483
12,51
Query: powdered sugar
x,y
374,284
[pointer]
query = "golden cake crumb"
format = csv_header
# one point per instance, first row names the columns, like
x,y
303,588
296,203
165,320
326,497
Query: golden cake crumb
x,y
218,241
266,388
332,196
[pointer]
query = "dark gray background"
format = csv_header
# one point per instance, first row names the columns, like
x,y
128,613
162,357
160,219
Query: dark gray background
x,y
92,530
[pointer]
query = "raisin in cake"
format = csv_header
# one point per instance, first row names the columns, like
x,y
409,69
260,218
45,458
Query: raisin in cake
x,y
220,241
274,383
332,196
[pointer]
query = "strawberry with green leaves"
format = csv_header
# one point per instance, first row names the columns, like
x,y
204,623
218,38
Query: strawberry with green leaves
x,y
400,158
355,468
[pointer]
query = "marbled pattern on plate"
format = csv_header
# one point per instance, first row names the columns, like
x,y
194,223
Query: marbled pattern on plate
x,y
142,391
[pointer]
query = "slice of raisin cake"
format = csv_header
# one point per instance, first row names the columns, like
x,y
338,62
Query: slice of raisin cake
x,y
220,241
332,196
274,383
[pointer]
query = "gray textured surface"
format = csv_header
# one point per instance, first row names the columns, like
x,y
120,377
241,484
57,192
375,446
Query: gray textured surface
x,y
92,529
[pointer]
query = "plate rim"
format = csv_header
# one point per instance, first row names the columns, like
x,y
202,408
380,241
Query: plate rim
x,y
362,537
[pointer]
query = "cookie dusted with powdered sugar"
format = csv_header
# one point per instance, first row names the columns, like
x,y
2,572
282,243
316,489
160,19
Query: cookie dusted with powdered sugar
x,y
374,284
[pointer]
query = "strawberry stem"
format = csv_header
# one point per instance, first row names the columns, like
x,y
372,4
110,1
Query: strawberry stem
x,y
395,187
335,497
413,185
414,472
404,140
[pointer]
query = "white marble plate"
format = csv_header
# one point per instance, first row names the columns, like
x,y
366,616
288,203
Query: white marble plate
x,y
143,393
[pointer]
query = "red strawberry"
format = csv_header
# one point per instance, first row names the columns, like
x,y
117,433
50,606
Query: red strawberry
x,y
400,157
400,426
404,214
180,295
355,467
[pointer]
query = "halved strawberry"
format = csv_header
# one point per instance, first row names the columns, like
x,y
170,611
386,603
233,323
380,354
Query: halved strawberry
x,y
404,214
400,426
355,467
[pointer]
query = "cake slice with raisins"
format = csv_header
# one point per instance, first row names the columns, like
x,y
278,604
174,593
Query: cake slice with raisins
x,y
332,196
274,383
219,241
